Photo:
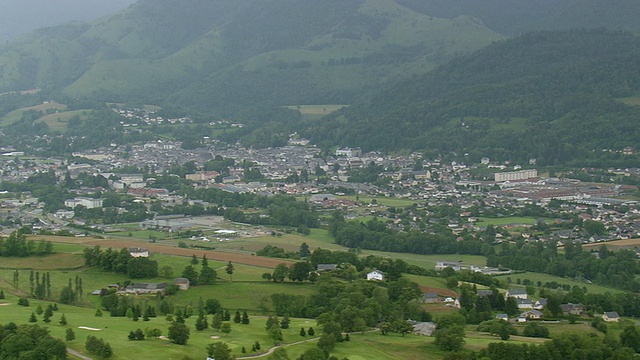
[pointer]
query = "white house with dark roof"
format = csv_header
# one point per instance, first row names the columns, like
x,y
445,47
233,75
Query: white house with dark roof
x,y
517,293
611,316
375,275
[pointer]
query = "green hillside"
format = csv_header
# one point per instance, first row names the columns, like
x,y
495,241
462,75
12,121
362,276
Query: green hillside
x,y
221,55
545,95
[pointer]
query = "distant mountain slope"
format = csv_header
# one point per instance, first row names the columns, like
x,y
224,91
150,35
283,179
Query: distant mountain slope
x,y
545,95
21,16
224,55
515,16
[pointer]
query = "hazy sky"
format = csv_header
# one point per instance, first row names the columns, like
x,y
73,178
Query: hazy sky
x,y
20,16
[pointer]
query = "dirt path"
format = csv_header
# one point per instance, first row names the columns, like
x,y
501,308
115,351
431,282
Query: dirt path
x,y
271,350
77,354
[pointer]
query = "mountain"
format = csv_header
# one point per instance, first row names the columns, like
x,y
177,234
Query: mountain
x,y
556,96
22,16
219,55
511,17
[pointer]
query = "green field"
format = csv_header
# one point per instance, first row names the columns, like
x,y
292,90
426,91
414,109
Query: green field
x,y
316,109
16,115
535,277
386,201
59,121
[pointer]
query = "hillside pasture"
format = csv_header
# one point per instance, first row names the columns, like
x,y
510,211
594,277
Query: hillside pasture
x,y
316,109
544,278
16,115
614,245
60,121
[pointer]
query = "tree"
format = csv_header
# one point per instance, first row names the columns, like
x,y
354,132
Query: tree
x,y
212,306
511,307
304,251
33,318
327,342
279,354
178,333
69,335
311,332
220,351
226,328
166,272
275,334
303,332
245,318
63,320
216,323
280,273
300,271
194,260
450,338
630,337
229,270
237,318
190,273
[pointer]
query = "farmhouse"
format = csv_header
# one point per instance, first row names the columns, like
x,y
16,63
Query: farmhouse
x,y
375,275
138,252
146,288
611,316
441,265
517,293
430,297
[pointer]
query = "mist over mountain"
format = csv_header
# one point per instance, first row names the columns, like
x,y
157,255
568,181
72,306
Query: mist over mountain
x,y
21,16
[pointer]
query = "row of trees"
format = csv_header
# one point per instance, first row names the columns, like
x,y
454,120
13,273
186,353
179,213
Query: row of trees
x,y
121,262
16,244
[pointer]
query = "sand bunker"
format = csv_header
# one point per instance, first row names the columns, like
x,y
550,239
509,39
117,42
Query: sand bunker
x,y
5,304
214,337
88,328
162,337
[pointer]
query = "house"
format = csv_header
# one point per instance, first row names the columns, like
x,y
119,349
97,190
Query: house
x,y
504,317
540,304
424,328
524,303
430,298
441,265
533,314
485,293
611,316
375,275
138,252
517,293
146,288
326,267
572,309
521,319
183,283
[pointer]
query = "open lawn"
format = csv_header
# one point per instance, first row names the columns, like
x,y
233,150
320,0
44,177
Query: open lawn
x,y
16,115
316,109
386,201
46,262
535,277
59,121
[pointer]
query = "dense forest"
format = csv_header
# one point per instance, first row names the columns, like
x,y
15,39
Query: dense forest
x,y
552,96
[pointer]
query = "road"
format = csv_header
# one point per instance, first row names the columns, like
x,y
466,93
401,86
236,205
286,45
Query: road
x,y
77,354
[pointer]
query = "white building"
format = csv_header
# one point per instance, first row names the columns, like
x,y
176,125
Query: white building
x,y
375,275
516,175
349,152
89,203
138,252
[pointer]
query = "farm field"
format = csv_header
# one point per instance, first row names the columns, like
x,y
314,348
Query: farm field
x,y
535,277
381,200
316,109
60,121
614,245
15,115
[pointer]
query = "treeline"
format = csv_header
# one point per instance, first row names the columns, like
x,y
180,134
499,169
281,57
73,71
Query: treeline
x,y
616,269
16,244
375,235
30,342
354,306
120,262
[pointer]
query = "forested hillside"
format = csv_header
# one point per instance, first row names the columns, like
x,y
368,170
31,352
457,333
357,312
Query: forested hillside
x,y
511,17
217,56
554,96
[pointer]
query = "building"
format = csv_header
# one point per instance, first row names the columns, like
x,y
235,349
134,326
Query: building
x,y
349,152
138,252
326,267
146,288
424,328
441,265
375,275
183,283
430,298
516,175
517,293
611,316
89,203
